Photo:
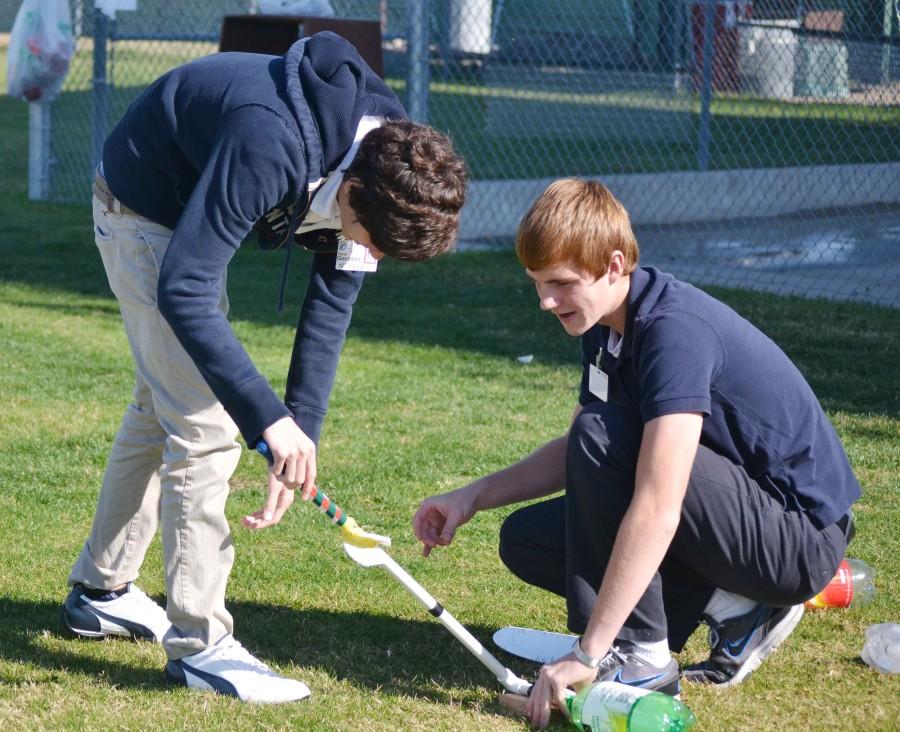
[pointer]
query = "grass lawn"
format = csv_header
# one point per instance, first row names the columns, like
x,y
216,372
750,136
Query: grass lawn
x,y
429,396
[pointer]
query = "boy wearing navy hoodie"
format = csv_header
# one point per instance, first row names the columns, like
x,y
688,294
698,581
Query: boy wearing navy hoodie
x,y
309,148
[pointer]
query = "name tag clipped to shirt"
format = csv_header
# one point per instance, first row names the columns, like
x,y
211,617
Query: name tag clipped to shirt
x,y
598,380
353,257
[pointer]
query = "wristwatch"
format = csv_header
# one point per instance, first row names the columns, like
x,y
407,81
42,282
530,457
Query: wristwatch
x,y
586,658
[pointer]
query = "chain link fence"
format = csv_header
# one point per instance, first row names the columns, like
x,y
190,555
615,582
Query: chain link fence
x,y
755,143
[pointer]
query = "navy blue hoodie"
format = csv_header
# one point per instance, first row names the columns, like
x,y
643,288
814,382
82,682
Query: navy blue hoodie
x,y
210,148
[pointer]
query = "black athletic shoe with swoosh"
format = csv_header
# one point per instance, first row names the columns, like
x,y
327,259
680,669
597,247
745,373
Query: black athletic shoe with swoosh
x,y
622,665
739,645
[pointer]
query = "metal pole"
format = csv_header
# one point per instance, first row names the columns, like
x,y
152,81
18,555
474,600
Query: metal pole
x,y
78,20
39,127
887,24
100,96
383,16
703,134
417,74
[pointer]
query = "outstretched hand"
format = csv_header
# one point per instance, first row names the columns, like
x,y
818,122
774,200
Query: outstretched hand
x,y
278,502
437,519
292,465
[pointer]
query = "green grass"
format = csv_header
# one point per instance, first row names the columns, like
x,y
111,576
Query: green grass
x,y
428,396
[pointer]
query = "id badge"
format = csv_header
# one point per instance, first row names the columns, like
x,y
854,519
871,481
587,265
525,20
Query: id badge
x,y
598,383
353,257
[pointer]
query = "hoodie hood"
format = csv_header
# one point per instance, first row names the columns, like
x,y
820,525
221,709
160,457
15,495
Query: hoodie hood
x,y
330,88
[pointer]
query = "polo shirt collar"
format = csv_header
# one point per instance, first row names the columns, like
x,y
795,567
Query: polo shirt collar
x,y
644,290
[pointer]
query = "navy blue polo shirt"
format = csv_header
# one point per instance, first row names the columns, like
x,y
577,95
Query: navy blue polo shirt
x,y
684,351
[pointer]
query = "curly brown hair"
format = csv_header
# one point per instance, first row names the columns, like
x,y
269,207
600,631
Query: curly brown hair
x,y
410,187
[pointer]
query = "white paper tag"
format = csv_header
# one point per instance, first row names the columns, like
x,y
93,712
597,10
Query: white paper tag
x,y
353,257
598,382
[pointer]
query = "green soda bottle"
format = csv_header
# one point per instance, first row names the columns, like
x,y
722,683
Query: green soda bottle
x,y
608,706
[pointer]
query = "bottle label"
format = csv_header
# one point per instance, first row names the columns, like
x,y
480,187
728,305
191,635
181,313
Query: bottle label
x,y
608,704
838,593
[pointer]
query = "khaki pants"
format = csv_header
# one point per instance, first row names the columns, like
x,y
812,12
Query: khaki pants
x,y
172,458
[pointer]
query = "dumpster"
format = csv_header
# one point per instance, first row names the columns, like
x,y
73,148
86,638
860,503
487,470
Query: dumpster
x,y
822,59
768,58
274,34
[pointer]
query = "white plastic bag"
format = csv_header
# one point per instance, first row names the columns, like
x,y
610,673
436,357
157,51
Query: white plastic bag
x,y
41,45
315,8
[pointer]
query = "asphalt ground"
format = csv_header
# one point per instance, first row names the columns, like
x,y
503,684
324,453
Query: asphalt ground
x,y
850,255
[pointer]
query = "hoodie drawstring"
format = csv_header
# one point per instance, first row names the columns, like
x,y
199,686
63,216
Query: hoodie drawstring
x,y
295,220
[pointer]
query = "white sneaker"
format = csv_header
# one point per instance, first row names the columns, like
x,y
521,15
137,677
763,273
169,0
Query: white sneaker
x,y
132,615
229,668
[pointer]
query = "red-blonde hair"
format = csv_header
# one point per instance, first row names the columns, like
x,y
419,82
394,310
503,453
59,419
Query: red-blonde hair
x,y
577,221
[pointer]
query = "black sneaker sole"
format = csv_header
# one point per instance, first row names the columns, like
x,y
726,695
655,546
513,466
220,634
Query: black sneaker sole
x,y
673,688
97,635
775,637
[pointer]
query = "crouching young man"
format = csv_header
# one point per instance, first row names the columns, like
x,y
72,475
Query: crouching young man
x,y
702,479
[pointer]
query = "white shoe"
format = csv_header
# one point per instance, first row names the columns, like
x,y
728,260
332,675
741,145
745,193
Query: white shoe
x,y
229,668
132,615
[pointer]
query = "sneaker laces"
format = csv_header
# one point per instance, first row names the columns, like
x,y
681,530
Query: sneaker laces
x,y
136,596
613,659
233,651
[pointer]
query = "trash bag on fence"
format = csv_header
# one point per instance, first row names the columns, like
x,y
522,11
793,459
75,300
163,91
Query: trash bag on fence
x,y
315,8
41,45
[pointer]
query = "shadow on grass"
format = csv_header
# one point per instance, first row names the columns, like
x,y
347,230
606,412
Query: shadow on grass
x,y
25,620
480,302
106,308
372,651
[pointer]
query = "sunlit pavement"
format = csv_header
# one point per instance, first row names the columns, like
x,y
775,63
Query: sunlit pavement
x,y
850,255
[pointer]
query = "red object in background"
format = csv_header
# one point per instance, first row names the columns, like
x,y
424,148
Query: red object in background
x,y
725,42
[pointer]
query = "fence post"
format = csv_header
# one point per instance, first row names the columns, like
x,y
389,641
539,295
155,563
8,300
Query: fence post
x,y
417,73
887,25
703,133
39,132
100,95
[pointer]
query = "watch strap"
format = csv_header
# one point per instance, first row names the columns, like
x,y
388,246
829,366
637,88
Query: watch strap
x,y
583,657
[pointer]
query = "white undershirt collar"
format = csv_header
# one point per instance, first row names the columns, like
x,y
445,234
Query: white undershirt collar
x,y
324,212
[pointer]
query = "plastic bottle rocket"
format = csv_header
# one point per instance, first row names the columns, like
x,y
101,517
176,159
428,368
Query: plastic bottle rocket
x,y
608,706
882,648
852,586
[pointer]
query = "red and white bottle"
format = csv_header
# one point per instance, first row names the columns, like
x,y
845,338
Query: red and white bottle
x,y
852,586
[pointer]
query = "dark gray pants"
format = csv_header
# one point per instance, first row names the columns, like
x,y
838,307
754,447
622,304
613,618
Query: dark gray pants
x,y
733,535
